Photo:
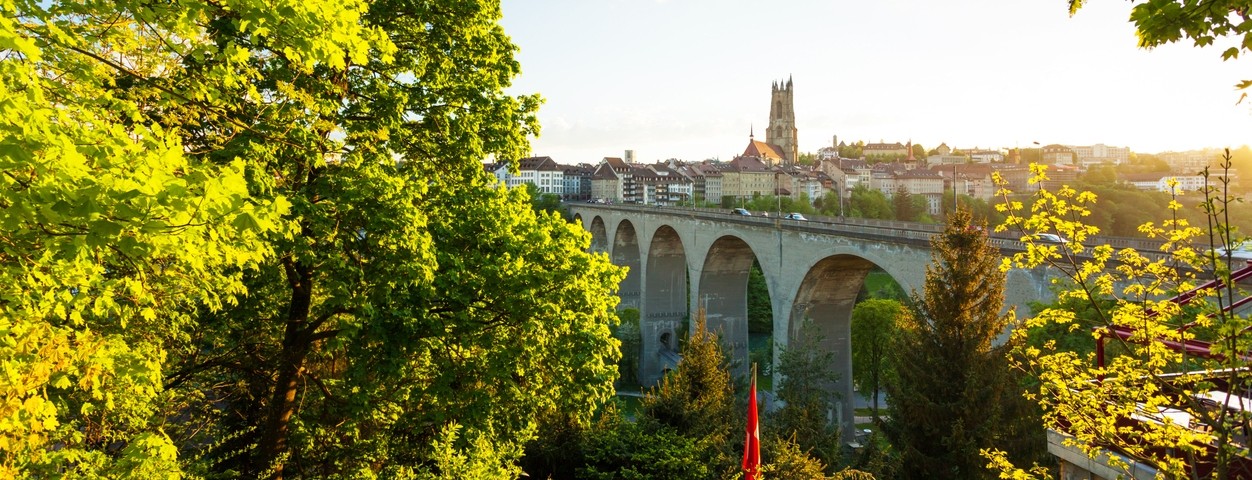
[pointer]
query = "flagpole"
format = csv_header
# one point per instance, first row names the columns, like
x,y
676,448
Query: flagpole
x,y
752,438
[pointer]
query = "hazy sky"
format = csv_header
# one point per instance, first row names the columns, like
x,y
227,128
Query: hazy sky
x,y
687,78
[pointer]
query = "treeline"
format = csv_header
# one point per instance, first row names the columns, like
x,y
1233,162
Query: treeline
x,y
692,425
866,203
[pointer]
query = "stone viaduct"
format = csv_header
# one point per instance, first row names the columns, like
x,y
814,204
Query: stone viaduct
x,y
683,259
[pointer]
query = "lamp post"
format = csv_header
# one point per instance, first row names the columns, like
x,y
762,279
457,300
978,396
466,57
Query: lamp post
x,y
839,193
778,194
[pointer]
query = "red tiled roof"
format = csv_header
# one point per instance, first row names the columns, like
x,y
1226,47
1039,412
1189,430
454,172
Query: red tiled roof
x,y
748,164
757,148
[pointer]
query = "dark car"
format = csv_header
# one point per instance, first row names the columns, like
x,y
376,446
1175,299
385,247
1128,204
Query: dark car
x,y
741,211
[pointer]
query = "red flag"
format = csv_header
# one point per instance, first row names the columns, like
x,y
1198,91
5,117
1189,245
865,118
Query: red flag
x,y
752,442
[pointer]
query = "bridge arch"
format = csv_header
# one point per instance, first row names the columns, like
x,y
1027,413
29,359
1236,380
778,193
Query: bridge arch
x,y
664,300
599,235
723,293
826,296
626,254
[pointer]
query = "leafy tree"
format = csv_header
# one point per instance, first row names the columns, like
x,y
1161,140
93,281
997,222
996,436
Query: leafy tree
x,y
1143,162
760,310
1100,175
630,336
547,202
982,211
947,401
1029,156
399,315
1163,22
1086,400
919,152
852,151
866,203
115,227
873,328
807,415
921,207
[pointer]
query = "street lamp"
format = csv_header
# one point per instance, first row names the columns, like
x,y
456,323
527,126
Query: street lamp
x,y
778,194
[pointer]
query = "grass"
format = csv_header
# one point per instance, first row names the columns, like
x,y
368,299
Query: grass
x,y
879,284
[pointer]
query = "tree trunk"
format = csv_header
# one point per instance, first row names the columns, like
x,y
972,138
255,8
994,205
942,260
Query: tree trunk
x,y
297,341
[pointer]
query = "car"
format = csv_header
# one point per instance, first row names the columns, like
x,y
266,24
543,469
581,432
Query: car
x,y
794,216
1049,238
741,211
1238,251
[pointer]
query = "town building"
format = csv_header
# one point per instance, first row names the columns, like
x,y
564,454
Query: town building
x,y
1087,155
884,150
983,155
1056,154
1183,184
1191,161
578,181
542,172
612,179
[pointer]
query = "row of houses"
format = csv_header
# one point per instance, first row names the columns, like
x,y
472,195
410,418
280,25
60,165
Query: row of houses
x,y
570,182
759,173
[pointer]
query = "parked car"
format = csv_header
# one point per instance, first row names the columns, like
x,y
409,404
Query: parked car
x,y
794,216
741,211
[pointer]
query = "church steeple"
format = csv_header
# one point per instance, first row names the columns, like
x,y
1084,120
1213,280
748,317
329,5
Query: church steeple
x,y
782,121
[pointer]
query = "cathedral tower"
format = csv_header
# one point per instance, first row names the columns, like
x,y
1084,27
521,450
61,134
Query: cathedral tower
x,y
782,122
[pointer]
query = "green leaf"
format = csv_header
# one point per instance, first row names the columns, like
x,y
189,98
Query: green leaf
x,y
105,229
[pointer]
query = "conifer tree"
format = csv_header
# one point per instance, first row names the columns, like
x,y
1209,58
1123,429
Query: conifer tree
x,y
808,397
698,398
952,383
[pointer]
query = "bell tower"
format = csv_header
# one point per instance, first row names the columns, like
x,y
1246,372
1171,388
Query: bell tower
x,y
782,122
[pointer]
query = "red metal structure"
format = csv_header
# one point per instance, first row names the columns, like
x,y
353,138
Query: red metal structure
x,y
1190,347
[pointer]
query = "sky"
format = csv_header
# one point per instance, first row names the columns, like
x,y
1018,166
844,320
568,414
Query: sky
x,y
688,79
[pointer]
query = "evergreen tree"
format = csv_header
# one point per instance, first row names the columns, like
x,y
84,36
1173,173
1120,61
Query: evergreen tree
x,y
697,398
952,383
902,202
806,392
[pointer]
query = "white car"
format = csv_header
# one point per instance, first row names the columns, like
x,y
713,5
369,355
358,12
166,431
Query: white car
x,y
1239,251
1049,238
794,216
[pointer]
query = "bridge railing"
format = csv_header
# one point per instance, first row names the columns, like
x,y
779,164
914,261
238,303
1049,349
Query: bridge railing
x,y
890,230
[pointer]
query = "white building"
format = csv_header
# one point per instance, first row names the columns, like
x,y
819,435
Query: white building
x,y
541,172
1099,153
